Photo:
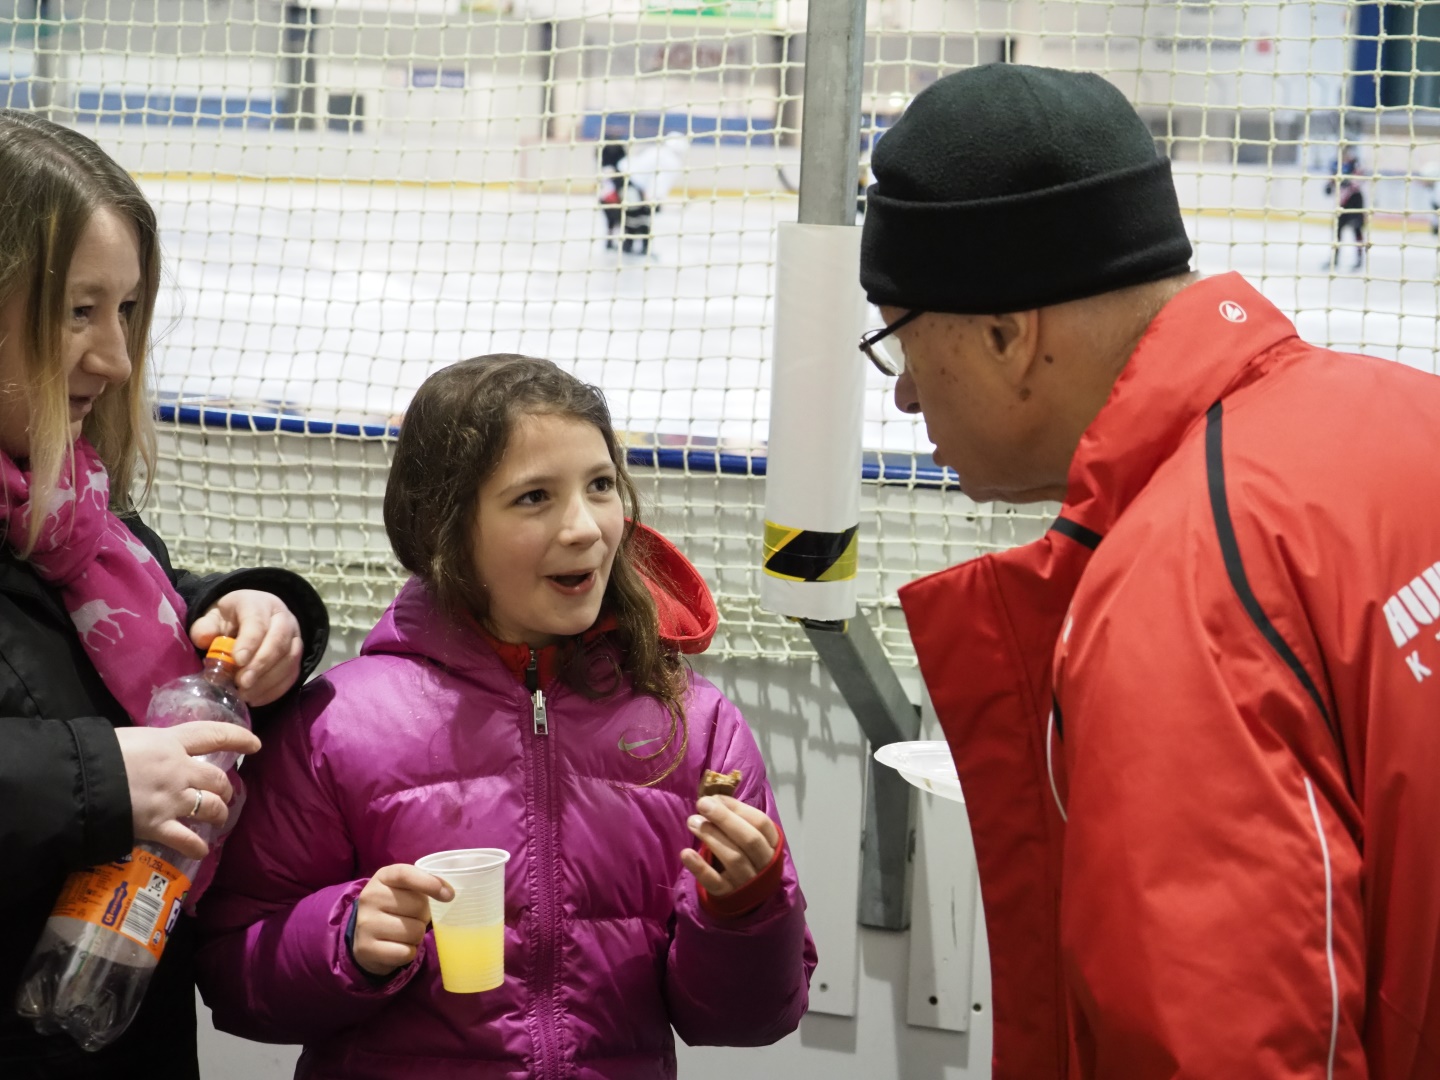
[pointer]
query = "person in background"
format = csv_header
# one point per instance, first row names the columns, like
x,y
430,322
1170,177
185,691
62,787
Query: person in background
x,y
635,181
1196,723
526,691
92,616
1350,198
612,191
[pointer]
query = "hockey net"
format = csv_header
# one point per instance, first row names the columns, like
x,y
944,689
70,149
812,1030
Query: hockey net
x,y
354,193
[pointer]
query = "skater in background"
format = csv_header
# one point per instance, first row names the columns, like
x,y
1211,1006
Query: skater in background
x,y
612,188
635,181
1350,198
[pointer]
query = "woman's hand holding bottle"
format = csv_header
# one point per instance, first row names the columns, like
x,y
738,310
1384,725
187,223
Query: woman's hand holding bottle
x,y
168,785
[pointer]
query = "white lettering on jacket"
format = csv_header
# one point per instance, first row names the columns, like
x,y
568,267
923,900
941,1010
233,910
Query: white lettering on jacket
x,y
1414,605
1419,670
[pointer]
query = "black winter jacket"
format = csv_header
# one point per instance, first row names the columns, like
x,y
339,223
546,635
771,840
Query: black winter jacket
x,y
65,805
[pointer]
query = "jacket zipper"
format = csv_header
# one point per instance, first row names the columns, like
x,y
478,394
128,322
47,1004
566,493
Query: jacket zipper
x,y
547,902
537,696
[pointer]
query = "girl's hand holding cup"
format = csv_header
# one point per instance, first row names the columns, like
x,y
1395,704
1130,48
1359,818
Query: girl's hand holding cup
x,y
741,838
392,913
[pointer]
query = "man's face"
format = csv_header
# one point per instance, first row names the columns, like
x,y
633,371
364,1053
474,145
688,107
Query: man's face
x,y
977,410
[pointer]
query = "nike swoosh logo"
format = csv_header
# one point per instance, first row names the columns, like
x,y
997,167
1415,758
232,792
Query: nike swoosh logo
x,y
628,746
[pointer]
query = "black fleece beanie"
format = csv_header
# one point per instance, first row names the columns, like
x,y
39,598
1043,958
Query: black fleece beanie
x,y
1006,187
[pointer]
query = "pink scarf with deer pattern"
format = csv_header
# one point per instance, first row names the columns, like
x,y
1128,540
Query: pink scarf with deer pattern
x,y
128,615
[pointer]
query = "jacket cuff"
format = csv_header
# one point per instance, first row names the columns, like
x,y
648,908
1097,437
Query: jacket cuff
x,y
378,980
294,592
753,893
107,821
380,983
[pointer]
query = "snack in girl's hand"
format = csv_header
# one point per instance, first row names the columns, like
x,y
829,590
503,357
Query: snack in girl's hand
x,y
718,783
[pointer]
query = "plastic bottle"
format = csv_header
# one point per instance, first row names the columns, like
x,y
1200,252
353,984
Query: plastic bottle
x,y
92,966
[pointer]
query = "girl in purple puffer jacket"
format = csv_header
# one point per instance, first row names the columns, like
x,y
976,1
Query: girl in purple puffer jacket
x,y
524,691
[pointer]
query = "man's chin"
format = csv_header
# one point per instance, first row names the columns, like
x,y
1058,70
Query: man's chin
x,y
1027,498
979,493
1021,497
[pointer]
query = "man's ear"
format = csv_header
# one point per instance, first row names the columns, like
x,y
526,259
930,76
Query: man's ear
x,y
1013,342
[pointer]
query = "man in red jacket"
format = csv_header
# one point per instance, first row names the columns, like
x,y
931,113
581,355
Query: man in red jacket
x,y
1198,723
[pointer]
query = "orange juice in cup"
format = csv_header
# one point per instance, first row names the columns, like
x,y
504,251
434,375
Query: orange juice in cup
x,y
470,929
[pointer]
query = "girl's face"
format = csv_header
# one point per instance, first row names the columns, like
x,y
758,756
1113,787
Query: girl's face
x,y
100,296
548,522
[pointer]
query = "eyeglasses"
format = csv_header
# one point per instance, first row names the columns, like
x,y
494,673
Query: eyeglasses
x,y
887,355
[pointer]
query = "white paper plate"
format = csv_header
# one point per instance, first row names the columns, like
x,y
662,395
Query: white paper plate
x,y
927,765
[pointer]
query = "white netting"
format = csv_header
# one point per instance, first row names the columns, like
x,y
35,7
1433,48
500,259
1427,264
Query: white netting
x,y
356,192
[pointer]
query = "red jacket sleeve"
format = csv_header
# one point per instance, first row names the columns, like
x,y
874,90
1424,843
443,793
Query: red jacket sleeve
x,y
1212,923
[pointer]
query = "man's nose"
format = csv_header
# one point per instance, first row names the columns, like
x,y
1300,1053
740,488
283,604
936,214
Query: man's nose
x,y
906,398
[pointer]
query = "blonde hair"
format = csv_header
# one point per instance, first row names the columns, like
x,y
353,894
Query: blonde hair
x,y
56,179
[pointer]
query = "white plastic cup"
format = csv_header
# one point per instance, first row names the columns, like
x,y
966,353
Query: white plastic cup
x,y
470,930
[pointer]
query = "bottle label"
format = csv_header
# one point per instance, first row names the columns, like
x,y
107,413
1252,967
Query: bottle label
x,y
138,896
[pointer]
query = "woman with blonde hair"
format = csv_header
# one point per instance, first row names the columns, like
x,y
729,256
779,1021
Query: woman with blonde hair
x,y
92,617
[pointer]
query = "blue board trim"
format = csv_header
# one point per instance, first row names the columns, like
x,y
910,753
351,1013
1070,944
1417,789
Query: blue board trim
x,y
892,468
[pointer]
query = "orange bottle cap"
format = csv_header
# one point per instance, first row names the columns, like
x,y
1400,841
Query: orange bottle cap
x,y
223,649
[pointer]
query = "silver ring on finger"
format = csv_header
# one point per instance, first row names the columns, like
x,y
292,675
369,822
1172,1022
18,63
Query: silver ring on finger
x,y
199,798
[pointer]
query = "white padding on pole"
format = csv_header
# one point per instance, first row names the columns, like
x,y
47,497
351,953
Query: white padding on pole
x,y
812,479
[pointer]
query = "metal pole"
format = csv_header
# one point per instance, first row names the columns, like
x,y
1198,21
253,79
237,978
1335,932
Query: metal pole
x,y
855,660
829,163
830,129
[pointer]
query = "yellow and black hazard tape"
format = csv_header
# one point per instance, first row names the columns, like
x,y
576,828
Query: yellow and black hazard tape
x,y
808,555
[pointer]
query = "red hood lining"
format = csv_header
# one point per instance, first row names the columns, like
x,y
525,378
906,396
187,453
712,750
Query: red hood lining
x,y
688,618
549,658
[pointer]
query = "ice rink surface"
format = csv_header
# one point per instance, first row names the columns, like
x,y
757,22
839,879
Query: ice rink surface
x,y
339,299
